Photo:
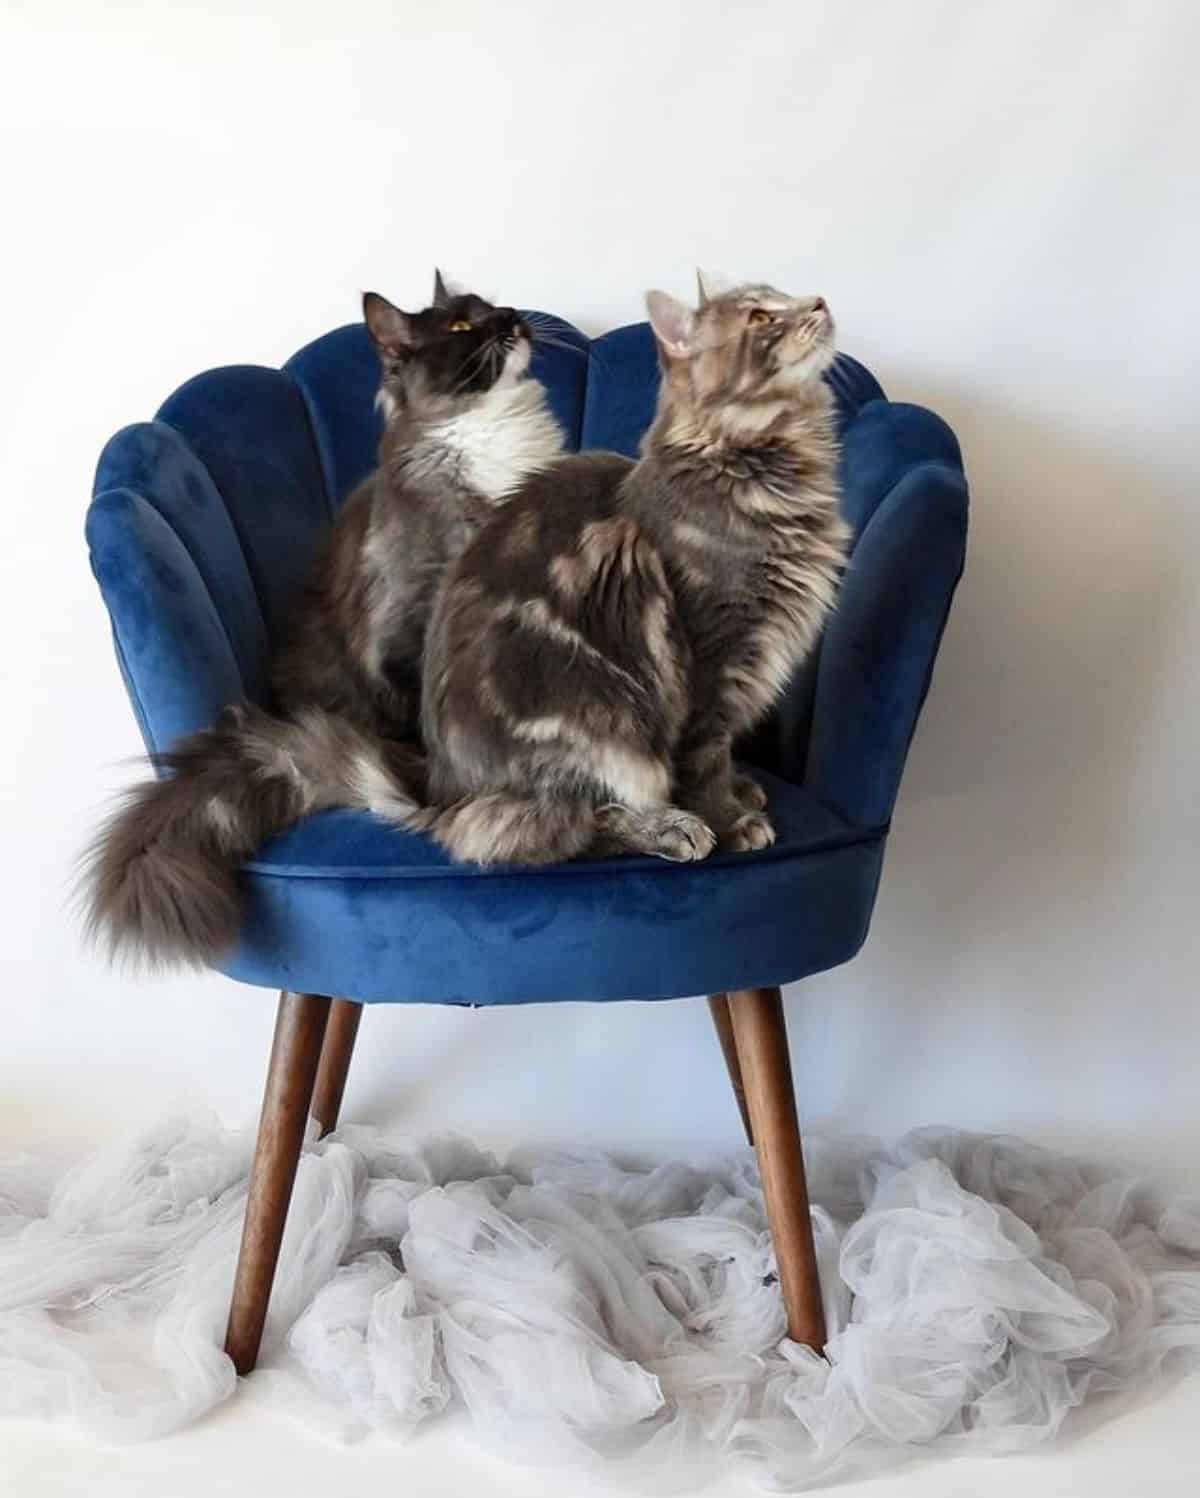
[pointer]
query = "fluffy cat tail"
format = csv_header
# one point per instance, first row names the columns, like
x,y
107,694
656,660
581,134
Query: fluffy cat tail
x,y
159,883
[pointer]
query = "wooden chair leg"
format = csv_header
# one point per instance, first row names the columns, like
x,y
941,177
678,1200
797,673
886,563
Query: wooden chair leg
x,y
718,1004
760,1030
295,1054
336,1052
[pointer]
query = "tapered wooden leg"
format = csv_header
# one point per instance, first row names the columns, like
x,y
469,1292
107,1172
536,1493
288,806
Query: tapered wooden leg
x,y
761,1035
295,1054
336,1052
718,1004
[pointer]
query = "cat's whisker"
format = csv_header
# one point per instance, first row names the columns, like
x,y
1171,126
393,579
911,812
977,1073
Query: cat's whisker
x,y
469,371
551,327
550,332
474,364
542,341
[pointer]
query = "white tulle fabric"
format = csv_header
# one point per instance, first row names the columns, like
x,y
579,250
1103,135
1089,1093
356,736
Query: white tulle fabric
x,y
585,1310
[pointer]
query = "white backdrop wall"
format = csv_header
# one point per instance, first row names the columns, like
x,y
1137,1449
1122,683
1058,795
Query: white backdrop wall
x,y
1000,201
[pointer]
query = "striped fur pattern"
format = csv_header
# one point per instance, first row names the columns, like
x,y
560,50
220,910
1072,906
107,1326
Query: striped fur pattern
x,y
593,655
464,427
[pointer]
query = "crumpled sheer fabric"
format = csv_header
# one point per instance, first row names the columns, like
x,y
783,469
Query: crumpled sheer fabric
x,y
593,1311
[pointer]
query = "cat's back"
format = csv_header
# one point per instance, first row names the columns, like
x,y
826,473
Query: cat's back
x,y
545,519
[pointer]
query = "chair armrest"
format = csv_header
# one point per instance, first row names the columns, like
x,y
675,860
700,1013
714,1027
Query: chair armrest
x,y
905,491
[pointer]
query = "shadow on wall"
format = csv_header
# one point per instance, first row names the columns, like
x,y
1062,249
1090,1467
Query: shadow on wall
x,y
1053,662
1032,788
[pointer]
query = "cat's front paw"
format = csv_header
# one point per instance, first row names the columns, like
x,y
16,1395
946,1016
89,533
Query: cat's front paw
x,y
682,837
750,833
750,795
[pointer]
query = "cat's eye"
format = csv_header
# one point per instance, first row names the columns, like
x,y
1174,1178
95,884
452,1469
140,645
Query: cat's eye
x,y
460,325
759,317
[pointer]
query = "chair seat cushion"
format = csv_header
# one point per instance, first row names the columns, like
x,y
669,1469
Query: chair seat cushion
x,y
343,904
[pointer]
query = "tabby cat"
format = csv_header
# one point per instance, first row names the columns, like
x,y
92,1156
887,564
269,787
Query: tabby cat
x,y
464,426
593,655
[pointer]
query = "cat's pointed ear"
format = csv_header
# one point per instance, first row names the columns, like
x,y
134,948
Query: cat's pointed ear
x,y
441,292
390,329
673,323
709,285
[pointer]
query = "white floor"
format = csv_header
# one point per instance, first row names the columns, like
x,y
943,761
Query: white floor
x,y
1140,1450
1138,1447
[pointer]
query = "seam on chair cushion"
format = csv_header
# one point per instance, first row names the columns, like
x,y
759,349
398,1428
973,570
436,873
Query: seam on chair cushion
x,y
166,520
256,583
599,869
319,447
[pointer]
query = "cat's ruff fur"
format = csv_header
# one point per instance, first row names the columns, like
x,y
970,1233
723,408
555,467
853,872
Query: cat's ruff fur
x,y
496,444
465,425
592,656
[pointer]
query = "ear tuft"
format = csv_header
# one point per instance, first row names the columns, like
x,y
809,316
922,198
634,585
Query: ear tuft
x,y
441,292
710,285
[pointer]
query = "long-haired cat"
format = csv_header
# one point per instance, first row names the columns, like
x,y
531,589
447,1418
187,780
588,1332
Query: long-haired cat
x,y
464,426
595,652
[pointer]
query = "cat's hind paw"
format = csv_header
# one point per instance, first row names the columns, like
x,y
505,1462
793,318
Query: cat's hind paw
x,y
750,795
750,833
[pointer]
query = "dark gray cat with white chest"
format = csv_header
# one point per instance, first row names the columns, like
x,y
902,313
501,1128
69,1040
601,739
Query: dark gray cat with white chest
x,y
464,426
594,654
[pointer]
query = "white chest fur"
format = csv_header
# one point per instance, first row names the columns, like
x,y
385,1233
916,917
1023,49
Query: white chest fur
x,y
501,440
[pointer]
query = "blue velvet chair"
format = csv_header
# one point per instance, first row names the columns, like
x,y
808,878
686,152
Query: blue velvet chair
x,y
202,524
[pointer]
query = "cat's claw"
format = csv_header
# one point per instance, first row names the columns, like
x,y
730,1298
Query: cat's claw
x,y
750,833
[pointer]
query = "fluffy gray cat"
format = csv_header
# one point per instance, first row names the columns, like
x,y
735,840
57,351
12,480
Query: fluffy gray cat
x,y
593,655
464,427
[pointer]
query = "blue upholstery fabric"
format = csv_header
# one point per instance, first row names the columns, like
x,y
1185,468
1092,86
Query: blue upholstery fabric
x,y
905,493
338,377
153,461
201,526
339,905
274,490
172,644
